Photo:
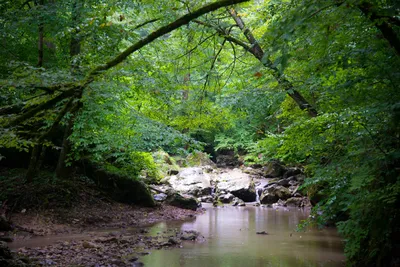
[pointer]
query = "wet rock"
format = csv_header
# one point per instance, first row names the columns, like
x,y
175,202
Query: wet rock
x,y
189,235
237,183
294,202
238,202
192,181
172,241
279,203
207,199
262,233
160,197
273,193
226,198
177,200
273,169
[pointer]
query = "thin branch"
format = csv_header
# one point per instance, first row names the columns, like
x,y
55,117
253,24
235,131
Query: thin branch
x,y
158,33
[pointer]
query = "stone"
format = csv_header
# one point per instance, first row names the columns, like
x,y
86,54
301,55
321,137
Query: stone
x,y
207,199
87,244
283,182
262,233
292,172
237,183
273,169
160,197
226,198
294,202
177,200
189,235
192,180
238,202
274,193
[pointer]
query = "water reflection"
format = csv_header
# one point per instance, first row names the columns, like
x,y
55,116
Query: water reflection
x,y
231,241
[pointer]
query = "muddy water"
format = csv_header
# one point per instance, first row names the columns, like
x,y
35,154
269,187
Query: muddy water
x,y
231,240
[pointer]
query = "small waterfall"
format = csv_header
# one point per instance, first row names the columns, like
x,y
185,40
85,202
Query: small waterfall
x,y
258,193
213,191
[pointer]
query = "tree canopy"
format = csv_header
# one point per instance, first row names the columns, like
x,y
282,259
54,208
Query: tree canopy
x,y
307,82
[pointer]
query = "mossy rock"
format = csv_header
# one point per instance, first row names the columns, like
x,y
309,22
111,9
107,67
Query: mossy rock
x,y
121,187
177,200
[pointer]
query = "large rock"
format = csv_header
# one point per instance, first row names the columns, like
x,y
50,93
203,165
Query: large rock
x,y
122,188
184,202
273,193
273,169
292,172
238,184
238,202
192,181
226,198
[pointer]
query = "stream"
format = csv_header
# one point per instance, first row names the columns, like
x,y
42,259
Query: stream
x,y
231,240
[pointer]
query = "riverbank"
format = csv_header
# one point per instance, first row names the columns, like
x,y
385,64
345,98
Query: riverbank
x,y
81,216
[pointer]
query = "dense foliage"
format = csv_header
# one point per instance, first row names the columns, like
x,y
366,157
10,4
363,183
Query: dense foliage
x,y
311,83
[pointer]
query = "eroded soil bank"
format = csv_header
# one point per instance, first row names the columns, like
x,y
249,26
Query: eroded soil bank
x,y
79,225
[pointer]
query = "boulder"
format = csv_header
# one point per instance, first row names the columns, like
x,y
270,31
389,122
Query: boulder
x,y
121,187
292,172
189,235
273,193
226,198
238,184
294,202
283,182
238,202
193,181
254,172
273,169
207,199
199,159
184,202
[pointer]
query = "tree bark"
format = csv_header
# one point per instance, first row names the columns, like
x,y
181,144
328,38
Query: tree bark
x,y
75,41
383,26
258,52
41,36
34,160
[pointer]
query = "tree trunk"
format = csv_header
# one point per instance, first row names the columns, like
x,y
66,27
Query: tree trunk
x,y
258,52
381,23
33,163
62,170
41,36
75,41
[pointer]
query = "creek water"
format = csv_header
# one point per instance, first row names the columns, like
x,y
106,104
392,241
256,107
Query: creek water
x,y
231,240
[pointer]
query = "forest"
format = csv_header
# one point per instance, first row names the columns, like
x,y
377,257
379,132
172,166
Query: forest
x,y
103,99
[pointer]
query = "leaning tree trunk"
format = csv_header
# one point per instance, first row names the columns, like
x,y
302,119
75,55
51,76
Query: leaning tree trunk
x,y
258,52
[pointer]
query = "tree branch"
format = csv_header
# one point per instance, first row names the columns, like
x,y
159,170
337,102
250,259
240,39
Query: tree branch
x,y
160,32
387,31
